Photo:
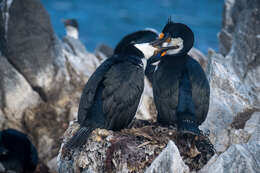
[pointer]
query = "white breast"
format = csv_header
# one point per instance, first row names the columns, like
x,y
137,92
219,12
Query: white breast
x,y
72,32
144,62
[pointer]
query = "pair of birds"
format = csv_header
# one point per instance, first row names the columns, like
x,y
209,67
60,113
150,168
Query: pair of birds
x,y
112,94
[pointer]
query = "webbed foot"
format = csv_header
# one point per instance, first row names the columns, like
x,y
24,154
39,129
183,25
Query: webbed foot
x,y
188,126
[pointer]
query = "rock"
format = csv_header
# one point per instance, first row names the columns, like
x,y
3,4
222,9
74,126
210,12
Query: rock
x,y
253,123
229,96
30,45
3,11
239,40
200,57
45,124
52,165
103,52
16,94
234,78
80,63
252,127
168,161
2,118
255,136
2,168
238,136
237,159
132,150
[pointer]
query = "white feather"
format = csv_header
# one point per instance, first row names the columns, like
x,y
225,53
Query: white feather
x,y
146,48
174,42
72,32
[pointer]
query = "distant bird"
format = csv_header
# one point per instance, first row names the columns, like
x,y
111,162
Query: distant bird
x,y
112,94
17,153
180,87
72,28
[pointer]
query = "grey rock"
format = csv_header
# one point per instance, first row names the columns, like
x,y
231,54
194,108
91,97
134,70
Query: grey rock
x,y
252,123
200,57
255,136
234,79
103,52
168,161
14,91
229,96
2,119
238,158
80,63
252,127
52,165
2,168
30,45
239,40
226,41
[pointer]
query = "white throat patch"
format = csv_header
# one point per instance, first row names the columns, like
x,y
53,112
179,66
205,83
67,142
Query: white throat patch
x,y
146,48
72,32
174,42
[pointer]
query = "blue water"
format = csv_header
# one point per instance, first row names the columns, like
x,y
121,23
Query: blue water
x,y
107,21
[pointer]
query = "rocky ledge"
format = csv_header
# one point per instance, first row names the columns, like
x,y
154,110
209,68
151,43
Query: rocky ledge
x,y
135,149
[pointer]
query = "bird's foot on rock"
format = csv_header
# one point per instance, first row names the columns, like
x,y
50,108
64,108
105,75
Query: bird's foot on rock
x,y
189,127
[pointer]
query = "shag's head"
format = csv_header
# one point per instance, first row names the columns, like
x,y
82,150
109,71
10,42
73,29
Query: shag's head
x,y
138,43
176,39
71,22
72,28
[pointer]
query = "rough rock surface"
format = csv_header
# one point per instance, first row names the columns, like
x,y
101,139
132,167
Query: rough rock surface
x,y
168,161
234,76
240,40
133,150
30,44
103,52
14,90
200,57
229,98
233,118
238,158
243,154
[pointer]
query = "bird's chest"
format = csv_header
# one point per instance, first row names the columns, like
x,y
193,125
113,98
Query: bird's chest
x,y
168,74
167,77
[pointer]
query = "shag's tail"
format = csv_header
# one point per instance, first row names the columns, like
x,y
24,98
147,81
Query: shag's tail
x,y
79,138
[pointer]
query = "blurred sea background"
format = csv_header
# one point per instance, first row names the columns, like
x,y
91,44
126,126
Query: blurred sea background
x,y
107,21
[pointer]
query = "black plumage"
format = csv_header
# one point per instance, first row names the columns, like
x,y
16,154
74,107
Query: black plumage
x,y
180,87
71,22
17,153
112,94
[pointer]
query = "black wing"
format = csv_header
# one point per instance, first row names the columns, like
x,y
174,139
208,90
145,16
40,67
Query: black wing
x,y
123,87
89,91
200,89
165,89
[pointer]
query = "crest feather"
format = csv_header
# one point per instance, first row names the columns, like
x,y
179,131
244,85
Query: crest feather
x,y
170,20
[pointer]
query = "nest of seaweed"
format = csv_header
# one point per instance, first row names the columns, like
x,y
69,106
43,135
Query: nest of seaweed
x,y
135,149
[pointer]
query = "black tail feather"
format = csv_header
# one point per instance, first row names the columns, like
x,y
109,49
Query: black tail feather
x,y
79,138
